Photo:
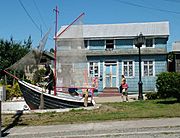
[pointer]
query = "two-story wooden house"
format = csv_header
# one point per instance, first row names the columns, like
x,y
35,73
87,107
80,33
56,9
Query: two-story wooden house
x,y
111,52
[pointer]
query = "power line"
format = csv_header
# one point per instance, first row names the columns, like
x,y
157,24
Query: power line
x,y
39,28
40,15
146,7
29,16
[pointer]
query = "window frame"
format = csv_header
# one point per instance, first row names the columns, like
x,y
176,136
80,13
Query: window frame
x,y
153,64
133,67
93,66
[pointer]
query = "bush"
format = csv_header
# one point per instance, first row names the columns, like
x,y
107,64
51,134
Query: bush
x,y
167,84
151,95
13,91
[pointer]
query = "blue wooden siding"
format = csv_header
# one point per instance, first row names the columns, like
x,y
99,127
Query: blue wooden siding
x,y
160,66
149,82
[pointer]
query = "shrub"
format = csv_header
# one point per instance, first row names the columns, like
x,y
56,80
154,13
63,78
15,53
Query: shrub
x,y
13,91
37,77
151,95
167,85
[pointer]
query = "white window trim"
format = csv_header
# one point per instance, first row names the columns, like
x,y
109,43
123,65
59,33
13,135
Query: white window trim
x,y
88,44
117,74
104,44
104,75
114,44
142,65
98,63
88,64
133,68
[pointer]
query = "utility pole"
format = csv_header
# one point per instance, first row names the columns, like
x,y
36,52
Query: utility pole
x,y
55,49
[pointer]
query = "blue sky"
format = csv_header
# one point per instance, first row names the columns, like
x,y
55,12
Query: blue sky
x,y
39,15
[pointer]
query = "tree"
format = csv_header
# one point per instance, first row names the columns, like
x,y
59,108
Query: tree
x,y
11,52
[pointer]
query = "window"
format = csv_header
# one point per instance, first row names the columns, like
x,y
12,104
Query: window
x,y
148,68
149,42
109,44
93,69
128,68
96,43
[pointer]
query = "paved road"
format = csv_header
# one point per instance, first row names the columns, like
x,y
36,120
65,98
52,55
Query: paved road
x,y
145,128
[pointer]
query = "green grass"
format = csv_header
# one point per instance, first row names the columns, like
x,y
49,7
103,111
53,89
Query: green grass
x,y
107,111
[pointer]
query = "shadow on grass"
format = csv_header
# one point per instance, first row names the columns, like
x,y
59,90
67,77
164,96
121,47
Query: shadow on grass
x,y
16,117
168,101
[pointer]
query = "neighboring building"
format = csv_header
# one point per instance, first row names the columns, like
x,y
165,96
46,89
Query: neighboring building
x,y
111,53
47,57
174,63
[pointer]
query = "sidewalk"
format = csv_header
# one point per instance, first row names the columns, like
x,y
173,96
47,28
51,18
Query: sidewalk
x,y
144,127
114,99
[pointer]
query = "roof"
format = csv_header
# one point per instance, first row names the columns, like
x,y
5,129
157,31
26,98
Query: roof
x,y
121,30
49,54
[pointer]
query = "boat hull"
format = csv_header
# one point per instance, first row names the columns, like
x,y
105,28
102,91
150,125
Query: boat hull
x,y
37,99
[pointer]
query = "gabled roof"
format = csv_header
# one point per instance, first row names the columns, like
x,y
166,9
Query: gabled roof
x,y
121,30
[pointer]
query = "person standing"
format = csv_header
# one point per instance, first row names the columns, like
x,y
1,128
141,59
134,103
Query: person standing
x,y
123,88
49,77
125,92
123,81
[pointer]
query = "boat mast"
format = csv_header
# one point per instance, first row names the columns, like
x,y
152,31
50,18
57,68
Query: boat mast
x,y
55,49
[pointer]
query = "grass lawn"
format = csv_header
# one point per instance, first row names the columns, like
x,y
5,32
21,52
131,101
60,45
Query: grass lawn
x,y
107,111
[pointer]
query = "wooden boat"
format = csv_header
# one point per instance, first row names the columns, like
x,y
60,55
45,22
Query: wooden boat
x,y
36,98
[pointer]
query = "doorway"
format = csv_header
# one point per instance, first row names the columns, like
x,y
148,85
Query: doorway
x,y
110,73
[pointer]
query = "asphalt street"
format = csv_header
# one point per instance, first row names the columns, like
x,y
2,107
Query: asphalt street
x,y
143,128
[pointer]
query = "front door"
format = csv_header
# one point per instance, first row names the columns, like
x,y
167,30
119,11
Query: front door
x,y
110,74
